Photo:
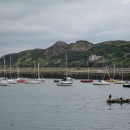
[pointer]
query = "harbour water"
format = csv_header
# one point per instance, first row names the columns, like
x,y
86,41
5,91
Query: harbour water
x,y
47,106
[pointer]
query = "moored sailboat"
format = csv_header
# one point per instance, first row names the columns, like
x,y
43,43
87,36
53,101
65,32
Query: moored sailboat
x,y
32,82
111,79
38,78
87,80
101,82
19,80
64,83
11,80
127,84
120,81
67,81
3,83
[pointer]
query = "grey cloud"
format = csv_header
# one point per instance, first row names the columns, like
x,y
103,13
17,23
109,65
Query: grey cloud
x,y
41,23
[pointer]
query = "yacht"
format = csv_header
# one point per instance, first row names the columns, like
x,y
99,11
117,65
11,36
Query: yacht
x,y
67,81
101,82
3,83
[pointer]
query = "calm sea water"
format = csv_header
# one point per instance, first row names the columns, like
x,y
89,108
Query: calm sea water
x,y
49,107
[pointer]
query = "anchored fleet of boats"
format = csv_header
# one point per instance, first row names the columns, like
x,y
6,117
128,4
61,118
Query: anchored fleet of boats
x,y
67,81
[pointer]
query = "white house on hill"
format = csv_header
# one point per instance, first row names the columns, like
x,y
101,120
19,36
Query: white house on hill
x,y
94,57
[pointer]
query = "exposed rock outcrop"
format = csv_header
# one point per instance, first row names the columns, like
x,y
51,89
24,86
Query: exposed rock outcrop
x,y
62,47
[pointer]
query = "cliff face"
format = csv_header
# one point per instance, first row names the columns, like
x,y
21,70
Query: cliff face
x,y
56,49
62,47
80,46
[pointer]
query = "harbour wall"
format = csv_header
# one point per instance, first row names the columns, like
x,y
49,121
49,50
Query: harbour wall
x,y
60,75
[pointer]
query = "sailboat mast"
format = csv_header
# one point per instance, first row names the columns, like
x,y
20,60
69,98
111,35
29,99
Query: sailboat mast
x,y
88,69
4,67
122,70
103,68
18,69
38,70
10,66
108,72
114,71
66,65
34,69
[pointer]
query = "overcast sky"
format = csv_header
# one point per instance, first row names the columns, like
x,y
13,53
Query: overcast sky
x,y
30,24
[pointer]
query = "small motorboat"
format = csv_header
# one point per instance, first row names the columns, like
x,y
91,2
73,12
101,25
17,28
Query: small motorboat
x,y
64,83
86,80
127,85
3,83
112,80
39,80
32,82
12,81
101,82
119,82
19,80
118,100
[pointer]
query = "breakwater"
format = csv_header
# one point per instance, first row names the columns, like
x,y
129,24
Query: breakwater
x,y
75,75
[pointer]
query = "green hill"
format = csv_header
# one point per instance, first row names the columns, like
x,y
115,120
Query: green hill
x,y
78,54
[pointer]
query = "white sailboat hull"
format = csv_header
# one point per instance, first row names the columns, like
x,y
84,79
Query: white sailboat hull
x,y
67,81
64,83
101,83
3,83
12,81
32,82
119,82
39,80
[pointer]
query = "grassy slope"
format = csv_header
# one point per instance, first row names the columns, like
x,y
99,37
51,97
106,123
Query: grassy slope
x,y
112,53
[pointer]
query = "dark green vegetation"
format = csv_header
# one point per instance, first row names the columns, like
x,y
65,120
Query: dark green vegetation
x,y
114,52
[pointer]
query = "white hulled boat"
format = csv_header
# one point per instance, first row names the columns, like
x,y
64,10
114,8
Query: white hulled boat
x,y
87,80
119,82
11,81
101,82
39,79
64,83
3,83
32,82
67,81
19,80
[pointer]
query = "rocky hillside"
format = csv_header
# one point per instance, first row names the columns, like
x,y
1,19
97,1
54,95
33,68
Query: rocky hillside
x,y
78,53
62,47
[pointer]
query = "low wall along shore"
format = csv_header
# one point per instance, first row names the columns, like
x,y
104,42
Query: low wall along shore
x,y
76,73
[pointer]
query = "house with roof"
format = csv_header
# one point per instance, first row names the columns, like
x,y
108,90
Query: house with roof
x,y
93,57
